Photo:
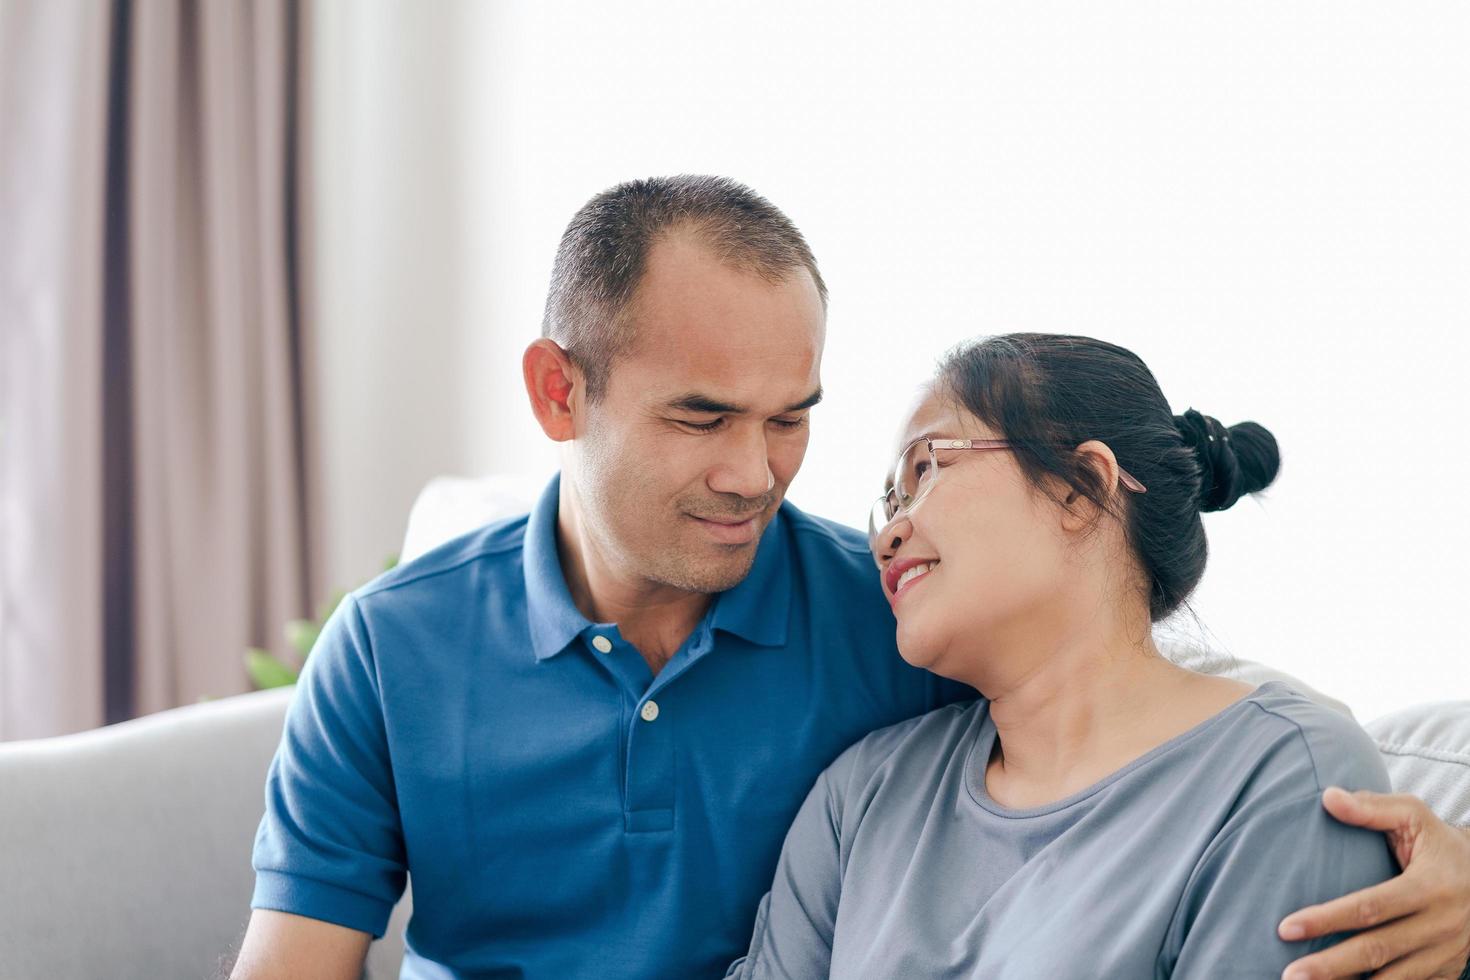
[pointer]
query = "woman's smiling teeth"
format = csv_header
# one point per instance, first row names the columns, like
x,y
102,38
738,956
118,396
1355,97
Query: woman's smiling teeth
x,y
910,574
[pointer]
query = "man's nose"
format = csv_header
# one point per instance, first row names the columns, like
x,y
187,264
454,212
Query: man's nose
x,y
744,469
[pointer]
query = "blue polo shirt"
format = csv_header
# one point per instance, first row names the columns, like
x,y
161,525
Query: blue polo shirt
x,y
565,813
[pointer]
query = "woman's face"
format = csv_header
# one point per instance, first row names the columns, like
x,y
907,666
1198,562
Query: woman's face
x,y
998,549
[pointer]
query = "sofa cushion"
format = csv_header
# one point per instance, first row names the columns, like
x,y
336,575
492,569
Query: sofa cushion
x,y
449,506
1427,751
125,850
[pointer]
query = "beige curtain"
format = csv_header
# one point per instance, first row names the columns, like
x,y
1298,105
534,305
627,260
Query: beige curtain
x,y
155,493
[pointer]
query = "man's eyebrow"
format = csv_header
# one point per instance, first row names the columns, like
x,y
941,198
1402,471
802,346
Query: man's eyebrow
x,y
695,402
704,404
807,402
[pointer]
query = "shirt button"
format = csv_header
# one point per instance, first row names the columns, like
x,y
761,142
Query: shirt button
x,y
650,710
602,643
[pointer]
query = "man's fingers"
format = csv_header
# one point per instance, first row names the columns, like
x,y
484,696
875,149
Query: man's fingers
x,y
1359,910
1433,963
1425,908
1376,811
1361,954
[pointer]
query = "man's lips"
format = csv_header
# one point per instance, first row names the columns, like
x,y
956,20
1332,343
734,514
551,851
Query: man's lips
x,y
729,530
895,571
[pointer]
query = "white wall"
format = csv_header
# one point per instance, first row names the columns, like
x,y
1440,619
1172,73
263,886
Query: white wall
x,y
1267,202
390,297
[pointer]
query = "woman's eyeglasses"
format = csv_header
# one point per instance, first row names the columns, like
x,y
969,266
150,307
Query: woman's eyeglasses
x,y
914,475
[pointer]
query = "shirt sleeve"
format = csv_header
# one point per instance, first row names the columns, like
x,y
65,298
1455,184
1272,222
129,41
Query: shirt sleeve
x,y
794,923
1288,856
330,845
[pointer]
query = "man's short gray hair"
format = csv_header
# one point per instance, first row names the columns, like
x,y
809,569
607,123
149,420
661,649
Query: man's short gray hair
x,y
604,251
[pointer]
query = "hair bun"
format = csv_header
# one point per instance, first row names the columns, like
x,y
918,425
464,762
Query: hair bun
x,y
1233,461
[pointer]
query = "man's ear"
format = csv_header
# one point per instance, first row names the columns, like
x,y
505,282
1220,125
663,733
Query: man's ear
x,y
552,382
1080,512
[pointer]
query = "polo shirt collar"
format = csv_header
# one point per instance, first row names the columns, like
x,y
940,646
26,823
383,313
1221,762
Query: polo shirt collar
x,y
554,620
756,609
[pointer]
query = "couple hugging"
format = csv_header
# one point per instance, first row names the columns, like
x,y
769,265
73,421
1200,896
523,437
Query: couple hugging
x,y
597,735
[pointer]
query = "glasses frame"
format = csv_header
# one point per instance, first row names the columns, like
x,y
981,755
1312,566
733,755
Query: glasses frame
x,y
895,510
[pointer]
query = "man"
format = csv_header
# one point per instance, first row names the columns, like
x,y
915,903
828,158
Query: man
x,y
586,731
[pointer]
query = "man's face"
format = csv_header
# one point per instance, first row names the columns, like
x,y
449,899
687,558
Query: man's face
x,y
704,423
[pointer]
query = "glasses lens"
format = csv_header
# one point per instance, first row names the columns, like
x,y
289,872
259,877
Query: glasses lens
x,y
878,518
911,474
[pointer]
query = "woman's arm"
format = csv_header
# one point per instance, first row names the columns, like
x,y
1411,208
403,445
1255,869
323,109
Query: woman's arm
x,y
1273,861
796,920
1420,921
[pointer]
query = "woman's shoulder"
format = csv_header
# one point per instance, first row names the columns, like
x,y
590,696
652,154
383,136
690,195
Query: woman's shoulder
x,y
1294,736
910,746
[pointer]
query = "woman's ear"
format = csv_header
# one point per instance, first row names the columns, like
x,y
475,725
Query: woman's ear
x,y
553,384
1081,512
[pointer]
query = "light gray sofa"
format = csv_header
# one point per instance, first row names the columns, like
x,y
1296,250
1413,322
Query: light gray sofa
x,y
125,851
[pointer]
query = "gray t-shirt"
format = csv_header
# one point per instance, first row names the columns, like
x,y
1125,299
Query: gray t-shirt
x,y
1181,864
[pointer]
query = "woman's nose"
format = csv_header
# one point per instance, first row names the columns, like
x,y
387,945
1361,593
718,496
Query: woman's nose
x,y
890,538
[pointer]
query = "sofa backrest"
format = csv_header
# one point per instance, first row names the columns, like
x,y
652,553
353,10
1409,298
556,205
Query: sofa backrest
x,y
126,849
1426,748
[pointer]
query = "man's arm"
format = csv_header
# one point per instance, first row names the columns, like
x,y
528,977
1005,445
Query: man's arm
x,y
279,945
329,856
1416,925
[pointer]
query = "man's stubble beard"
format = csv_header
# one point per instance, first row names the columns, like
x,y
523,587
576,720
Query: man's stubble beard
x,y
608,497
663,558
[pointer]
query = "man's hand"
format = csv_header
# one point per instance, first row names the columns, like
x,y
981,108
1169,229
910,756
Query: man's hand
x,y
1416,925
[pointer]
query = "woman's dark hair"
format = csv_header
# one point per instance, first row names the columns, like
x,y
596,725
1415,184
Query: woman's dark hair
x,y
1049,393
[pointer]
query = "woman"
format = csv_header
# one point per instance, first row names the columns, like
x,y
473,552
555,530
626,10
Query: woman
x,y
1100,812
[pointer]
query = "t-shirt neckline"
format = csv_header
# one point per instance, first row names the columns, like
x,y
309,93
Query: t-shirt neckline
x,y
985,735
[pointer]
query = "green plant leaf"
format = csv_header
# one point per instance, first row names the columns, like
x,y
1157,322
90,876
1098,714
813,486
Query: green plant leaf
x,y
266,671
324,612
302,634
